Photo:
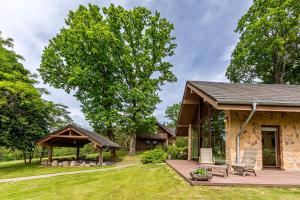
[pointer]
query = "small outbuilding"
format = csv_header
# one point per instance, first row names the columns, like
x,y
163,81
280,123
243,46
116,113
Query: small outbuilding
x,y
76,137
162,137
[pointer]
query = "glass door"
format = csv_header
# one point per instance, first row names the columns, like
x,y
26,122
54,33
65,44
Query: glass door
x,y
270,146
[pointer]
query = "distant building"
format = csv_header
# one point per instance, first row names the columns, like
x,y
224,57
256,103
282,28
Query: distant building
x,y
163,137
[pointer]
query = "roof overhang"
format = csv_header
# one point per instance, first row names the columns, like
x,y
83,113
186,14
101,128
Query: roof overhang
x,y
74,136
239,105
168,131
67,137
193,96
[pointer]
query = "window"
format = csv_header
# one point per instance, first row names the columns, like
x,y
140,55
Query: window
x,y
195,147
218,136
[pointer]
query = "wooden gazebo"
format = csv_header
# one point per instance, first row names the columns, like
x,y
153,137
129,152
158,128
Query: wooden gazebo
x,y
76,137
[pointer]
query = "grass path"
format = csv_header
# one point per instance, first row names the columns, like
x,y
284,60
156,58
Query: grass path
x,y
117,166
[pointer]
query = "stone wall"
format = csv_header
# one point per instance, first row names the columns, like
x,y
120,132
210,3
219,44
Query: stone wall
x,y
289,136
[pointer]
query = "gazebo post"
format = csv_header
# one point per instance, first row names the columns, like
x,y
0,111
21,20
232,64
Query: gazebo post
x,y
100,160
112,154
77,153
50,151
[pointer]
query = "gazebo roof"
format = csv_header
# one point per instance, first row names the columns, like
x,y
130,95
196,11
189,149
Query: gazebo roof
x,y
74,136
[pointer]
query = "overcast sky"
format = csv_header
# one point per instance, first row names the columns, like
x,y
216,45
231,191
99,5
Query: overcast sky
x,y
204,31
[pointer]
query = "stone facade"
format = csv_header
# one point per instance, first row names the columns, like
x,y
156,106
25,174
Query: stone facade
x,y
289,136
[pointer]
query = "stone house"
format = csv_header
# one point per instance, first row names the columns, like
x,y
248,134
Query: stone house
x,y
230,118
162,137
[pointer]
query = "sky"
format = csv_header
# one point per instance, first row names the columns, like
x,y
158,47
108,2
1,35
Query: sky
x,y
204,31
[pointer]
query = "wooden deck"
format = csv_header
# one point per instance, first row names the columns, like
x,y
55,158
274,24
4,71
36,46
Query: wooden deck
x,y
271,178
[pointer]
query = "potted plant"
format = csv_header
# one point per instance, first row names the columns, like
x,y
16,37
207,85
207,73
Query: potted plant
x,y
201,174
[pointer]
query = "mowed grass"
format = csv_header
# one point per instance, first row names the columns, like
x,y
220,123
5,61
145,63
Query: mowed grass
x,y
12,169
152,181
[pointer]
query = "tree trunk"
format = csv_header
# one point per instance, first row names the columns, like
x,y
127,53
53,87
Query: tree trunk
x,y
40,161
113,154
111,136
279,71
110,133
30,156
24,156
132,145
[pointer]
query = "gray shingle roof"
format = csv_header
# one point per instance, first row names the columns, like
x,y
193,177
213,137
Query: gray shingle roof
x,y
101,140
97,137
172,131
169,130
263,94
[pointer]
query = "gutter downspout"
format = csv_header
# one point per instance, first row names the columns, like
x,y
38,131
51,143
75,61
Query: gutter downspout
x,y
254,105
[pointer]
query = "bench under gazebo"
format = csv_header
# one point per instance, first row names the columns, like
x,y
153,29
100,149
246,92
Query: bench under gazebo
x,y
76,137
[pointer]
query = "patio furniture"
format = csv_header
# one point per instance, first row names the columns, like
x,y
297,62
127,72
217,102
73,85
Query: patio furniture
x,y
207,160
247,164
220,168
206,156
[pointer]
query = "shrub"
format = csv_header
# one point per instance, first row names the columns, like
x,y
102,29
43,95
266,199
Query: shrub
x,y
154,156
181,142
177,152
201,171
8,155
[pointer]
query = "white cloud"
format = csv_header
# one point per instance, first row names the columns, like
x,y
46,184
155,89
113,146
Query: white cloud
x,y
227,53
203,30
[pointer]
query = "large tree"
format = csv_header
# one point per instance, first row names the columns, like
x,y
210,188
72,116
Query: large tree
x,y
144,41
24,115
269,46
114,61
172,113
80,59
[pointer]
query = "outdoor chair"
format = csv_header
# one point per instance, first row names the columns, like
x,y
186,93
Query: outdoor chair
x,y
207,161
206,156
247,164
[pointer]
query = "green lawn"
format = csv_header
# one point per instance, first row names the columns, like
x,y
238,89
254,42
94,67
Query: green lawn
x,y
136,182
13,169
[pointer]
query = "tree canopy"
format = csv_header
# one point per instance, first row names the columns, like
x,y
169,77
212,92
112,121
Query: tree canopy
x,y
172,113
24,115
269,46
114,61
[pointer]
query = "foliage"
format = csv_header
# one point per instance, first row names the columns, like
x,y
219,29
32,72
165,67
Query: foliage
x,y
114,61
60,116
200,171
144,41
172,113
8,154
268,49
154,156
81,58
181,142
177,152
24,115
